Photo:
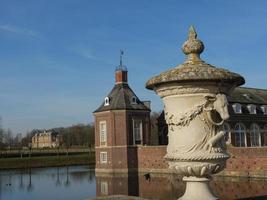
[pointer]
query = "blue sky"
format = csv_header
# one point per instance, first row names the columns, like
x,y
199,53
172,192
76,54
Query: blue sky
x,y
57,57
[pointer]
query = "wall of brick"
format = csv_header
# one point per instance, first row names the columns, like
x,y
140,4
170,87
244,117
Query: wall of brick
x,y
152,158
238,188
116,158
249,162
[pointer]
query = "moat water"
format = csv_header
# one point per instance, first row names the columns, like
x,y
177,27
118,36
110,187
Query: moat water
x,y
81,182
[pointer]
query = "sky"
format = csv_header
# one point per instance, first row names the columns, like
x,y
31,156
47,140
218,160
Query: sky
x,y
58,57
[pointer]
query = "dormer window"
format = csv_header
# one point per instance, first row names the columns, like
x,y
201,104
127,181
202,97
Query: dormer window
x,y
237,108
264,109
106,101
134,100
252,109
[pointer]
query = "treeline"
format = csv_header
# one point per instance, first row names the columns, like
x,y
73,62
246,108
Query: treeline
x,y
78,135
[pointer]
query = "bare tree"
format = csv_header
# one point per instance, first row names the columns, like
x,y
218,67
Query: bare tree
x,y
1,135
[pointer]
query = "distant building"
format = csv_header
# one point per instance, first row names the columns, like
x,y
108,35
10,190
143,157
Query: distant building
x,y
46,140
247,125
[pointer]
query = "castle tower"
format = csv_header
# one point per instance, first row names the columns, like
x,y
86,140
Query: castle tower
x,y
122,122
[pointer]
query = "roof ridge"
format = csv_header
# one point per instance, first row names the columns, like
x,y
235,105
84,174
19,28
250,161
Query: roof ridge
x,y
252,88
124,95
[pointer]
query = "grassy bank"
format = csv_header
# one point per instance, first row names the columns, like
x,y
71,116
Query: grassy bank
x,y
42,152
47,161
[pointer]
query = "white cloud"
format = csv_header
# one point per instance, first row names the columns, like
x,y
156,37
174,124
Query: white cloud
x,y
85,52
19,30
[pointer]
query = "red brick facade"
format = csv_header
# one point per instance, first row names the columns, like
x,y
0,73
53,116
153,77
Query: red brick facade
x,y
121,76
120,149
247,162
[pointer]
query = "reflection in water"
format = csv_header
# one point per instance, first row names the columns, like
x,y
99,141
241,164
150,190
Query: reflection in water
x,y
171,187
48,183
68,183
58,182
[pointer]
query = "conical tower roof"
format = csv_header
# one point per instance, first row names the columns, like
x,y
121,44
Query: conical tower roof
x,y
121,98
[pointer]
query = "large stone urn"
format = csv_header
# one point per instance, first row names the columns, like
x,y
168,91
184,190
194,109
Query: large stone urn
x,y
195,105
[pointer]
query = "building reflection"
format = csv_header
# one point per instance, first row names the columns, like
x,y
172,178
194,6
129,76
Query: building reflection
x,y
110,184
170,187
157,186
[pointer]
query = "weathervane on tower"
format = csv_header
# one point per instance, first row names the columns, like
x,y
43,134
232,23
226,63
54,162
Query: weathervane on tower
x,y
121,53
121,66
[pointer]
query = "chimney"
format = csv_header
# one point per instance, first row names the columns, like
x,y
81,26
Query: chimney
x,y
121,76
121,73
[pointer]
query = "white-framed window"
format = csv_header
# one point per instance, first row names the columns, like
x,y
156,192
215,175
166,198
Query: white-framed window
x,y
103,157
137,131
264,135
134,100
240,135
252,109
264,109
103,133
106,101
237,108
255,139
227,130
104,187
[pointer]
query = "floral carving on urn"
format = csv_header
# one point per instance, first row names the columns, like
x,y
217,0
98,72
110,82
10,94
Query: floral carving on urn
x,y
195,105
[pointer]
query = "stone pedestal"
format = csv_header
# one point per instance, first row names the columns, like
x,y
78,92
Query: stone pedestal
x,y
197,189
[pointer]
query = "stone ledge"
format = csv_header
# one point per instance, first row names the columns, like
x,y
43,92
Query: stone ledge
x,y
120,197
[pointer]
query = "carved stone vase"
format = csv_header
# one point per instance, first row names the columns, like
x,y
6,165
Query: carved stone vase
x,y
195,105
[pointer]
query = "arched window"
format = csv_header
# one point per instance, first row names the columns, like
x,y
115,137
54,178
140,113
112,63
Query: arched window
x,y
264,136
255,139
240,135
227,129
106,101
237,108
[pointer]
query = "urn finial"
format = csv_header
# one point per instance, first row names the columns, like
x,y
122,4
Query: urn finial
x,y
193,47
192,33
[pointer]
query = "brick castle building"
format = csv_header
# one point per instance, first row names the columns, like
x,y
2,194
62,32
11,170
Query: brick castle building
x,y
122,132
